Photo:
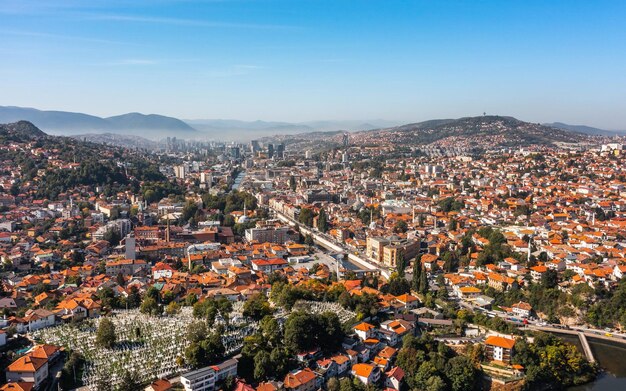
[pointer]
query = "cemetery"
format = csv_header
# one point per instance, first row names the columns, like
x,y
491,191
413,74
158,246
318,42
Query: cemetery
x,y
151,347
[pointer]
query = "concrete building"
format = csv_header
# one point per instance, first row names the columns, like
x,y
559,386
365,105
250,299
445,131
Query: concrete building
x,y
202,379
180,171
408,249
130,246
271,234
207,378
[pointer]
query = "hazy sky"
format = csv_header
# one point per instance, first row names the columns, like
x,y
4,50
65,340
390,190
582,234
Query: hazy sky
x,y
318,59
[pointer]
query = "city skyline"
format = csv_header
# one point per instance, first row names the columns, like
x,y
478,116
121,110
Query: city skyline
x,y
300,61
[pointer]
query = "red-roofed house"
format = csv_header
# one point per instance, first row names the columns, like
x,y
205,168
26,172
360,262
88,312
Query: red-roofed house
x,y
393,378
499,348
28,369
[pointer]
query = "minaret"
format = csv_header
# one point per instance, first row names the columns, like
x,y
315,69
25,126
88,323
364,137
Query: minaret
x,y
189,263
593,218
528,257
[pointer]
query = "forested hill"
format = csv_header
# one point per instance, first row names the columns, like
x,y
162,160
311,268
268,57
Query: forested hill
x,y
483,131
51,167
21,130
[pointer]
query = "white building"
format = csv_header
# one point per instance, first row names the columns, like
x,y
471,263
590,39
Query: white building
x,y
206,379
203,379
226,369
36,319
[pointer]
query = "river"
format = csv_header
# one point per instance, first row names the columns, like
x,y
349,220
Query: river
x,y
610,356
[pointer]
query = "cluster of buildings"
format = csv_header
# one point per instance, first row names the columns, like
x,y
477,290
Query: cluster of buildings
x,y
560,211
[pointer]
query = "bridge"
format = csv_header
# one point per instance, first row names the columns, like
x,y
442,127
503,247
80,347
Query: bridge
x,y
586,347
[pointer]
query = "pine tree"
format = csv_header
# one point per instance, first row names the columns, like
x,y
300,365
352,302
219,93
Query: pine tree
x,y
417,269
400,263
423,284
322,221
105,335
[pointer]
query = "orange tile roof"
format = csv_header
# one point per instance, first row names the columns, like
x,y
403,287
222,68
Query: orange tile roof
x,y
44,351
19,386
362,369
297,379
502,342
27,364
363,326
406,298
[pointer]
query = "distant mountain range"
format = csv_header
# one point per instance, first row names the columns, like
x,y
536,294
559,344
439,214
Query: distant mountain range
x,y
587,129
68,123
155,127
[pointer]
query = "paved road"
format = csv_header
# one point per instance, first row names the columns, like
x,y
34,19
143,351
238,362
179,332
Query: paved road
x,y
542,326
54,374
330,243
598,334
321,257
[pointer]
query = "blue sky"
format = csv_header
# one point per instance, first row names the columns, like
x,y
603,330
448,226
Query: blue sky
x,y
298,60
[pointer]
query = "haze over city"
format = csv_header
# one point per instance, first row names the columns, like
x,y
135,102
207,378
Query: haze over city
x,y
312,195
287,60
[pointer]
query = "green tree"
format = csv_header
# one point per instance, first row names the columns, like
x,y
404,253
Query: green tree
x,y
306,217
194,355
400,226
398,285
189,211
332,384
105,336
304,331
150,306
213,347
322,221
308,240
417,270
196,331
435,383
400,263
112,236
257,307
172,308
270,330
549,279
262,365
423,282
461,373
134,299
